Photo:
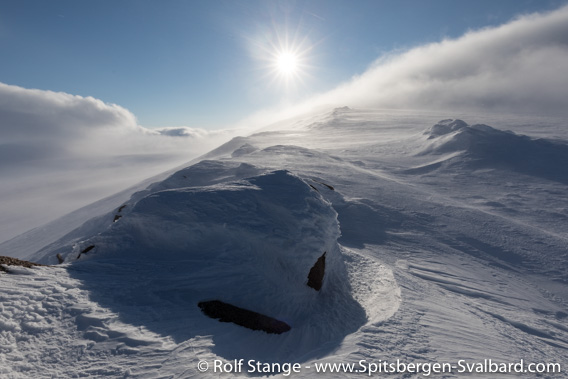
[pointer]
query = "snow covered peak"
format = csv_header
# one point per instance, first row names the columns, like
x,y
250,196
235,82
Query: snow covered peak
x,y
275,217
482,146
250,243
445,127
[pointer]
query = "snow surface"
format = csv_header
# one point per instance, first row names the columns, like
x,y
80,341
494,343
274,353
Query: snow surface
x,y
445,241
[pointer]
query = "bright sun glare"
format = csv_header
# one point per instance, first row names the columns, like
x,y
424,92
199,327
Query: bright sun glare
x,y
285,59
287,63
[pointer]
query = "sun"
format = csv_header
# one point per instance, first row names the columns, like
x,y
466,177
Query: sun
x,y
284,58
286,63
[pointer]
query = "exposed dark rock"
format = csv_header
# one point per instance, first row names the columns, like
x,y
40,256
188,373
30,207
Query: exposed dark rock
x,y
86,250
324,184
60,258
116,218
229,313
315,277
9,261
328,186
121,208
314,188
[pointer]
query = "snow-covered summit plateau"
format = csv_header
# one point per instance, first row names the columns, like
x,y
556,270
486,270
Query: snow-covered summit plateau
x,y
443,241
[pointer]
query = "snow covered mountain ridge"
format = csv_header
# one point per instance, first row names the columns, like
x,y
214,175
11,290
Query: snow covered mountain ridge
x,y
443,242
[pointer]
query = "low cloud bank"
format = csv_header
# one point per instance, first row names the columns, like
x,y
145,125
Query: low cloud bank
x,y
520,66
50,114
182,131
59,152
46,124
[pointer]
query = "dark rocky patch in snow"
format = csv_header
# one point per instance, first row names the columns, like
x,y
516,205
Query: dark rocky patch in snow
x,y
325,185
9,261
225,312
86,250
317,273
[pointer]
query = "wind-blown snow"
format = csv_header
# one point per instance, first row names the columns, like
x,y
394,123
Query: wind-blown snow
x,y
517,68
446,241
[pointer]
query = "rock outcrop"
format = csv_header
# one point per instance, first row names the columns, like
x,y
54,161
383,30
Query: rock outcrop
x,y
9,261
225,312
316,274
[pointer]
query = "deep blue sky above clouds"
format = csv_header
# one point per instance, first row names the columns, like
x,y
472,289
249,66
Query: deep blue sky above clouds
x,y
205,63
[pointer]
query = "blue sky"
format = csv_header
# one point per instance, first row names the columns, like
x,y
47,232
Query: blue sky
x,y
205,63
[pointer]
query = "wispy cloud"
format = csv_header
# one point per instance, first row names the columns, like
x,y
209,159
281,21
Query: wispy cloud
x,y
521,66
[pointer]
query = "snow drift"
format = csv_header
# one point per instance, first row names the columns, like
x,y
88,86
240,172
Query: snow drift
x,y
482,146
250,243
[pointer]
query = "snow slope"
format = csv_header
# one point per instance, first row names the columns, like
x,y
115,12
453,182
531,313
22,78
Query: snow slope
x,y
445,242
484,146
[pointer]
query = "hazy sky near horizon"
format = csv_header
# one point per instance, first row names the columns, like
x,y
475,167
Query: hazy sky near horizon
x,y
207,64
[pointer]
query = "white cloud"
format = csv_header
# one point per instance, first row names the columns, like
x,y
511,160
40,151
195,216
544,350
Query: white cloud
x,y
182,131
521,66
59,152
53,114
